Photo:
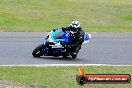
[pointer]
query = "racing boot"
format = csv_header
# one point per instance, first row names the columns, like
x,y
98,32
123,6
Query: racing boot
x,y
75,52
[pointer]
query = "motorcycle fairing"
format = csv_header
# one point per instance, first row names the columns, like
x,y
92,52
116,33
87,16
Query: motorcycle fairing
x,y
60,36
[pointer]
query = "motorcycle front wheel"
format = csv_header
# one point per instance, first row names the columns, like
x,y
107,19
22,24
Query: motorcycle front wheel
x,y
38,51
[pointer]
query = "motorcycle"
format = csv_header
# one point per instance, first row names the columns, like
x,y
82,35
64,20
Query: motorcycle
x,y
55,44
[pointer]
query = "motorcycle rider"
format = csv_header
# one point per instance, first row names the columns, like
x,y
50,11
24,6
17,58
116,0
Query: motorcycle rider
x,y
76,35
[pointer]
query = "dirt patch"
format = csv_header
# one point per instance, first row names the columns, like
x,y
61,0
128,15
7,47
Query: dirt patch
x,y
4,84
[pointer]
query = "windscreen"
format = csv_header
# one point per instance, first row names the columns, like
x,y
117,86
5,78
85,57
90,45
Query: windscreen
x,y
60,35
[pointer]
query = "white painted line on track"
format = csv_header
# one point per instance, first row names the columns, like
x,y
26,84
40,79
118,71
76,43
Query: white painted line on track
x,y
41,65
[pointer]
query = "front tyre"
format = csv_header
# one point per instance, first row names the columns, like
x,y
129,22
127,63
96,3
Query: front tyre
x,y
37,52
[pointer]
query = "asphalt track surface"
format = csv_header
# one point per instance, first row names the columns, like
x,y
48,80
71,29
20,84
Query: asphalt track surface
x,y
104,48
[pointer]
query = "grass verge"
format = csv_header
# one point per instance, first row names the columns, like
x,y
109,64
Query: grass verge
x,y
60,77
44,15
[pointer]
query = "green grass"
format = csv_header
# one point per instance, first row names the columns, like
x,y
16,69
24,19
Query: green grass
x,y
60,77
44,15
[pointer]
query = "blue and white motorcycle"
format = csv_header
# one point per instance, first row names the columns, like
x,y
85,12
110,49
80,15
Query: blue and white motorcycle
x,y
55,44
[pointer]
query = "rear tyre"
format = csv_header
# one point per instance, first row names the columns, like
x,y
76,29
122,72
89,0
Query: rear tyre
x,y
37,52
74,56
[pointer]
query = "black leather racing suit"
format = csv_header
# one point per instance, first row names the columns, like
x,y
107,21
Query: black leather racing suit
x,y
76,39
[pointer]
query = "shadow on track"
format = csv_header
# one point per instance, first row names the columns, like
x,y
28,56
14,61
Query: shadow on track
x,y
59,58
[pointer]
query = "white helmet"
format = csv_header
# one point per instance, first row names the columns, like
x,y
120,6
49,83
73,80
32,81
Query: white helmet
x,y
75,24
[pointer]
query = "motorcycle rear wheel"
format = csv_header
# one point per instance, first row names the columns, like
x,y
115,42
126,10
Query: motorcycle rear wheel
x,y
74,56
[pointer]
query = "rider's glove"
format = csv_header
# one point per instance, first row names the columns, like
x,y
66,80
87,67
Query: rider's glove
x,y
54,30
63,29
